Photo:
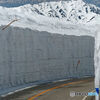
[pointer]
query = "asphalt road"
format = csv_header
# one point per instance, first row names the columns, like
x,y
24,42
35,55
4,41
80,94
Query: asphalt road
x,y
55,91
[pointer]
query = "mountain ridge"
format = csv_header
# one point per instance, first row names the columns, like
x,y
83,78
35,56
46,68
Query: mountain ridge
x,y
15,3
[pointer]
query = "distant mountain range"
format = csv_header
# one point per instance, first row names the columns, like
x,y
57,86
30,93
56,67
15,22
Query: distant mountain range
x,y
11,3
95,2
14,3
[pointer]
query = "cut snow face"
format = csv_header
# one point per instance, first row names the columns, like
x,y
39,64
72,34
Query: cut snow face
x,y
97,61
64,17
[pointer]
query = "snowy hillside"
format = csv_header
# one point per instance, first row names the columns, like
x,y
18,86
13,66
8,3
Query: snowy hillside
x,y
66,17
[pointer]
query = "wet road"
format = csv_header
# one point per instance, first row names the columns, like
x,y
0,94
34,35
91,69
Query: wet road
x,y
55,91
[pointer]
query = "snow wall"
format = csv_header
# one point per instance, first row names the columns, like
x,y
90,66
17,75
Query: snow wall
x,y
97,61
30,57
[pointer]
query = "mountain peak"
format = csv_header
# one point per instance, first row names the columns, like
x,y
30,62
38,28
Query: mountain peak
x,y
74,10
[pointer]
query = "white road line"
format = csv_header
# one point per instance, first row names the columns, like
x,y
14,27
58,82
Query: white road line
x,y
18,90
87,96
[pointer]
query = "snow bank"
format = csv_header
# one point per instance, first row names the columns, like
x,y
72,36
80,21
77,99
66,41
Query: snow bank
x,y
28,56
97,61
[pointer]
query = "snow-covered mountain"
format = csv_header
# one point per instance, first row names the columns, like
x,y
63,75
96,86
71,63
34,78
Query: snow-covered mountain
x,y
59,17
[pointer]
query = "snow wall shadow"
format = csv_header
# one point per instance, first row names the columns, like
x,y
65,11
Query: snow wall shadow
x,y
30,57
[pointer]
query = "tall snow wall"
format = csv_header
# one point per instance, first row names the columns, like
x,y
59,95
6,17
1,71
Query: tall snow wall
x,y
97,61
33,57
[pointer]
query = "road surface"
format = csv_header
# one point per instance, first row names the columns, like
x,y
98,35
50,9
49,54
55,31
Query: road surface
x,y
55,91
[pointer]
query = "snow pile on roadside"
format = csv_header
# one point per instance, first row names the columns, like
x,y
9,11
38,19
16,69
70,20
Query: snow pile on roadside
x,y
97,60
